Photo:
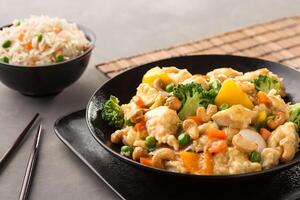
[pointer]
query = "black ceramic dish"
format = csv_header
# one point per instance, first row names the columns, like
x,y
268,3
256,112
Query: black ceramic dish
x,y
131,182
47,79
124,87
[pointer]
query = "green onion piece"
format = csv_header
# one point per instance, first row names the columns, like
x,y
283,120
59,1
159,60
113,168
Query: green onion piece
x,y
39,37
59,58
17,23
255,156
224,106
6,44
128,122
169,88
270,117
4,59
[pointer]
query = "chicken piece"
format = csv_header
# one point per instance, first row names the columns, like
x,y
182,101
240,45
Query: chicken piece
x,y
278,103
147,93
237,116
247,87
133,112
286,138
197,79
177,75
270,158
161,122
159,101
222,74
234,162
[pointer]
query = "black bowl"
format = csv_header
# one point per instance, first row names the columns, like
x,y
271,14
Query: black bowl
x,y
124,87
47,79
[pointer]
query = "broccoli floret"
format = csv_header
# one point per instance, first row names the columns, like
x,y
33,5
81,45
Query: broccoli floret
x,y
112,113
192,95
294,114
265,83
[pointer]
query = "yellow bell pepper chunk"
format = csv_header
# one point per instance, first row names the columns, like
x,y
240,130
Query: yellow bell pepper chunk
x,y
155,73
262,115
232,94
190,161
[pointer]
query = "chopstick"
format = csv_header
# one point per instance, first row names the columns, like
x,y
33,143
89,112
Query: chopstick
x,y
17,141
30,166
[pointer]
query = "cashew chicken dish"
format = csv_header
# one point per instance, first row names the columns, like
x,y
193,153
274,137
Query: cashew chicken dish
x,y
220,123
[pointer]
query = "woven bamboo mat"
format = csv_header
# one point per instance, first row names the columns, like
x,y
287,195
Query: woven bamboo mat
x,y
277,41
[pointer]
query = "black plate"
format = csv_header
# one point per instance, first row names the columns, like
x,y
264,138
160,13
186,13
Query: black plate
x,y
124,87
134,183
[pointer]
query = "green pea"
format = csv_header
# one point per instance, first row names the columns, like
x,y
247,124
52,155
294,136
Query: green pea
x,y
39,37
183,139
6,43
223,106
255,156
150,142
4,59
126,150
59,58
170,87
270,117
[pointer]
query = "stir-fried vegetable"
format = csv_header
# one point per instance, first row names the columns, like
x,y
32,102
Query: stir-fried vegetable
x,y
294,114
146,161
224,106
192,95
112,113
231,94
39,37
190,161
265,83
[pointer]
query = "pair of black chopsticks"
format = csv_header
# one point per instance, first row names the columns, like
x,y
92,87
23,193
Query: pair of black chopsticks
x,y
32,158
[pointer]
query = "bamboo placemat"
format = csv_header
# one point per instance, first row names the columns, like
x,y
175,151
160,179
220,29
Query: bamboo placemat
x,y
277,41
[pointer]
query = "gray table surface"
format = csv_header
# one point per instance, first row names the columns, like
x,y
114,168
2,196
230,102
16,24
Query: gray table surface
x,y
122,28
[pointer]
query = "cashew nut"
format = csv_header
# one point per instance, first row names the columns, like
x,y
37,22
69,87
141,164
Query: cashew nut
x,y
243,144
158,84
138,152
173,103
288,147
279,119
205,114
172,141
117,136
191,128
162,155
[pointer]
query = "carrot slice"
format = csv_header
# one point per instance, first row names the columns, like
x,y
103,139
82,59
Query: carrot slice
x,y
218,146
140,126
263,98
212,133
207,164
196,119
139,103
265,133
190,161
146,161
28,45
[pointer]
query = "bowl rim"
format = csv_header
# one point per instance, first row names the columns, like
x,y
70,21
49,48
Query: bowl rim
x,y
89,34
275,169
